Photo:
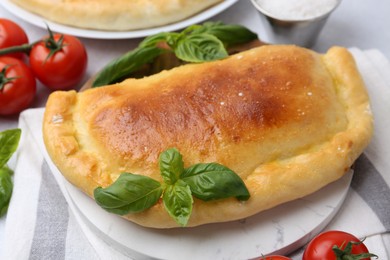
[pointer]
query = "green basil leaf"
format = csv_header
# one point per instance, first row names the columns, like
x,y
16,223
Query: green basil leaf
x,y
130,193
210,181
154,39
191,28
6,187
130,62
9,141
178,202
229,34
200,48
171,165
168,37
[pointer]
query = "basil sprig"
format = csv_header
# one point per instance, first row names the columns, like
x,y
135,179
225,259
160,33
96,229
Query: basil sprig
x,y
9,141
195,44
132,193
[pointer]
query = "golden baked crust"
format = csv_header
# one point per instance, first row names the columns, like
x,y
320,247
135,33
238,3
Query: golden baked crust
x,y
286,119
115,15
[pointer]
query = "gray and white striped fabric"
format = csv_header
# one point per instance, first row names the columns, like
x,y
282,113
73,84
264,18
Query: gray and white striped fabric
x,y
41,224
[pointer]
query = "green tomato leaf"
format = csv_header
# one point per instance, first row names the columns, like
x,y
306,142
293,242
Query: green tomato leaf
x,y
229,34
200,48
9,141
171,165
130,193
6,187
130,62
210,181
178,202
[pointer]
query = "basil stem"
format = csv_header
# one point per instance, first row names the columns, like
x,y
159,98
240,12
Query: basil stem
x,y
130,193
211,181
5,189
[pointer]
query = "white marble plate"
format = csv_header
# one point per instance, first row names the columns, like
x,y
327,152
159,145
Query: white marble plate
x,y
280,230
97,34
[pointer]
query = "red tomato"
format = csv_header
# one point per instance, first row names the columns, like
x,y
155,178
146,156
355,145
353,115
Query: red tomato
x,y
321,246
11,34
17,86
274,257
65,68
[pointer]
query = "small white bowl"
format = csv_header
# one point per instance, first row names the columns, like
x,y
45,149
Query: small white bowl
x,y
293,27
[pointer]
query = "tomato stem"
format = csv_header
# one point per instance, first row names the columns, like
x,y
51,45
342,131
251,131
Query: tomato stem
x,y
25,48
346,254
53,45
50,43
3,78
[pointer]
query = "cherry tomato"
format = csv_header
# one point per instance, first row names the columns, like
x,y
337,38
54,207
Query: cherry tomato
x,y
274,257
11,34
17,86
62,69
321,246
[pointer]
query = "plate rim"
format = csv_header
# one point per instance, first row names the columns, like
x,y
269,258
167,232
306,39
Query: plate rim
x,y
43,22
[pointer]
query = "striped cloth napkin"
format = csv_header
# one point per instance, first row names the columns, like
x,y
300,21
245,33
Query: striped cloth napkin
x,y
42,222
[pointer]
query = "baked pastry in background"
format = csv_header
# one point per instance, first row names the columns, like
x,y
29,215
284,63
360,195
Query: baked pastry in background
x,y
286,119
117,15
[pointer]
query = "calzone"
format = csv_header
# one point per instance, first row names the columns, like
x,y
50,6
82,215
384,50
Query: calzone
x,y
286,119
116,15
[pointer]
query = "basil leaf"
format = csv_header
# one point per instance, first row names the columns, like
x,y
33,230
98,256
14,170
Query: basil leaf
x,y
171,165
191,28
5,189
130,193
178,202
9,141
129,63
229,34
210,181
154,39
200,48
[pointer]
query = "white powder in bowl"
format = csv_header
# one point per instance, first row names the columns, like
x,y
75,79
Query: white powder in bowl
x,y
297,9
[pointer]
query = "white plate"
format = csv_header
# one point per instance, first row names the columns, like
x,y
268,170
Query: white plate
x,y
96,34
280,230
